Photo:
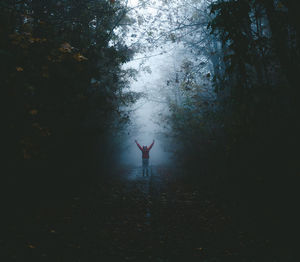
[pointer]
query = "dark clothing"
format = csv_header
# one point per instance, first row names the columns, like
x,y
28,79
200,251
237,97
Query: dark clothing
x,y
146,166
145,150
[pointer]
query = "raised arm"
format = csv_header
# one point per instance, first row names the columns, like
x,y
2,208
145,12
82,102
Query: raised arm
x,y
138,145
151,145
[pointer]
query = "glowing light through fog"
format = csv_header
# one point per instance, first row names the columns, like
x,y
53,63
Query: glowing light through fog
x,y
145,118
133,2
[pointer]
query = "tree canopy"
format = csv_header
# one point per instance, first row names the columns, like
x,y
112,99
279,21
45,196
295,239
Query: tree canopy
x,y
62,76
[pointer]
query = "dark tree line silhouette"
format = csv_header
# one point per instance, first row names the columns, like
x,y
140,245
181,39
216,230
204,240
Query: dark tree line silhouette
x,y
62,83
244,141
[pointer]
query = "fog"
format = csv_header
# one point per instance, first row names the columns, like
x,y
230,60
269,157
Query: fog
x,y
146,124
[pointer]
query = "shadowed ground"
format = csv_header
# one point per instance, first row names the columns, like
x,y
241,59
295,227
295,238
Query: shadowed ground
x,y
129,217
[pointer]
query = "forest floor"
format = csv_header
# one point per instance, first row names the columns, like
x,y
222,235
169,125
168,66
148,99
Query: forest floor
x,y
131,217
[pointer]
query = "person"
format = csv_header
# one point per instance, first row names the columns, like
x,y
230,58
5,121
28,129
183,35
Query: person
x,y
145,156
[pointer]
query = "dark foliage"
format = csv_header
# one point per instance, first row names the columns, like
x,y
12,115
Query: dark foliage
x,y
250,155
62,84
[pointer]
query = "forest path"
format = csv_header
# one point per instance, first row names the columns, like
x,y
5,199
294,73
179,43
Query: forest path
x,y
130,218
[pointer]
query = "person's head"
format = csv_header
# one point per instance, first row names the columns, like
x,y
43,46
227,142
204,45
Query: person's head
x,y
144,147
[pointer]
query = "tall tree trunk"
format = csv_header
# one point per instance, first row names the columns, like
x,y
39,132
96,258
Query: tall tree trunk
x,y
280,40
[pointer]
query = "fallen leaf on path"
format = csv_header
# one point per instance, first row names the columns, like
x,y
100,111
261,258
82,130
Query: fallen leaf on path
x,y
33,112
66,48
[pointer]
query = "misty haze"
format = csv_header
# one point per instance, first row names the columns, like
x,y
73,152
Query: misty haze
x,y
149,131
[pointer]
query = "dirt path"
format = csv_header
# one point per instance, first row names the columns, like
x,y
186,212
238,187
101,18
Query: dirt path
x,y
132,218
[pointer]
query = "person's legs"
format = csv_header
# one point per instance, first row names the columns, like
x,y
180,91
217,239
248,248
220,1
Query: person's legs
x,y
145,166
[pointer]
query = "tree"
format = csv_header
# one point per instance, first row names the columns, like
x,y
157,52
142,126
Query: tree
x,y
62,78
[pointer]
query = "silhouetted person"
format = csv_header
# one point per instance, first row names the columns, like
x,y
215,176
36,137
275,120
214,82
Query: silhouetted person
x,y
145,156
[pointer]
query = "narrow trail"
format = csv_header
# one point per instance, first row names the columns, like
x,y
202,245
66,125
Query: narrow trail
x,y
131,218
